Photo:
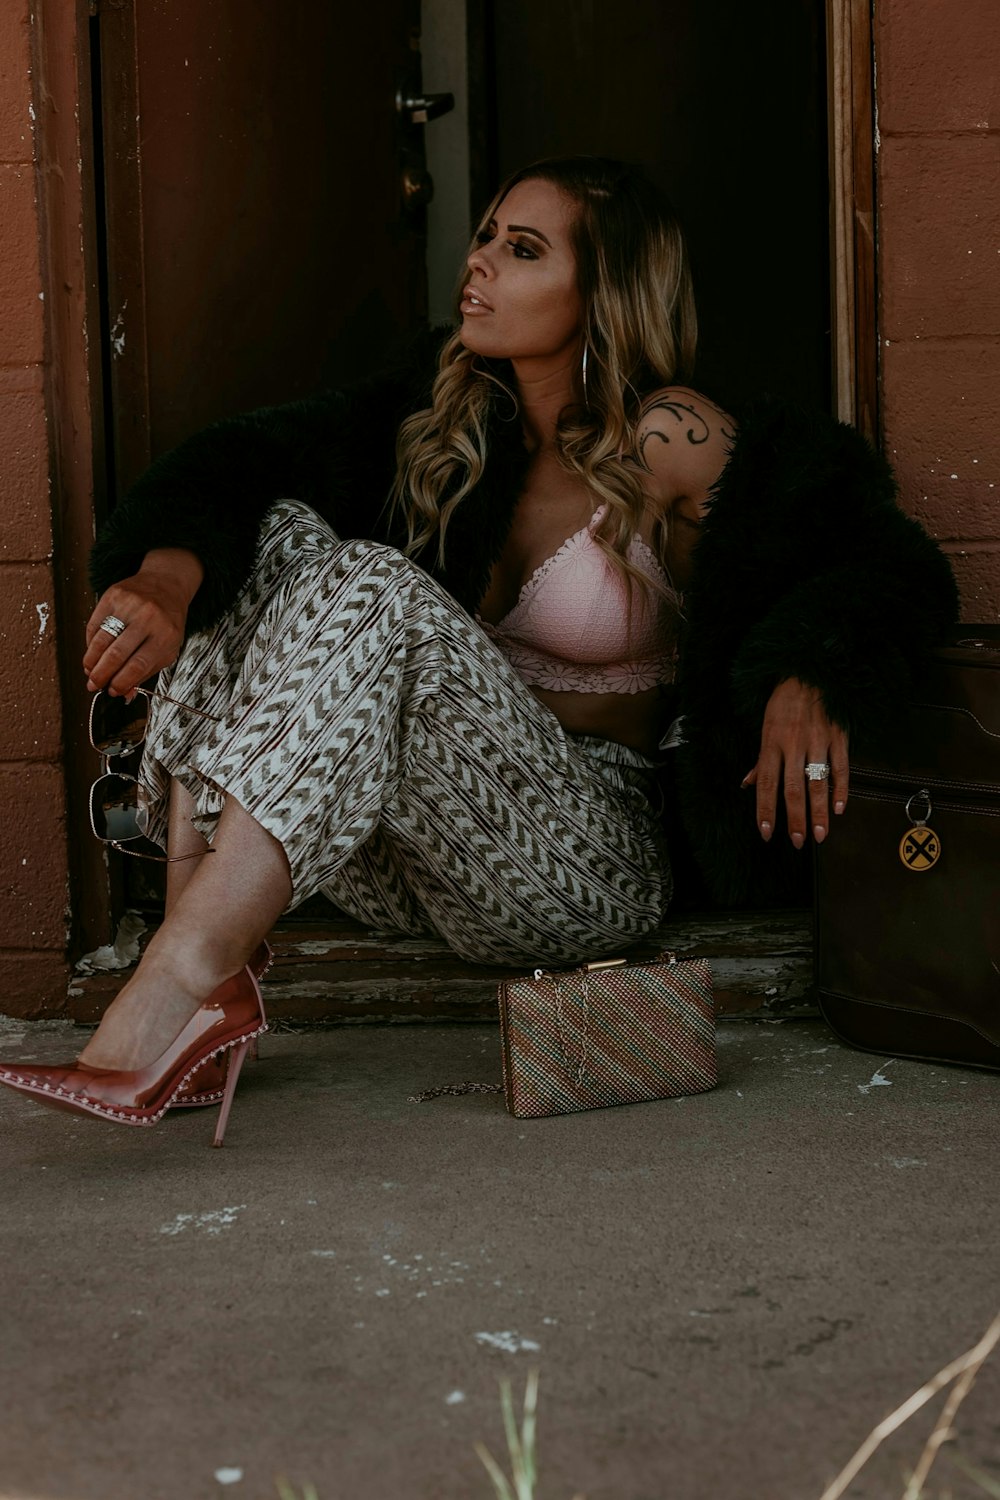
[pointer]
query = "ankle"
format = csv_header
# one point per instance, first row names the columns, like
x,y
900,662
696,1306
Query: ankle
x,y
193,968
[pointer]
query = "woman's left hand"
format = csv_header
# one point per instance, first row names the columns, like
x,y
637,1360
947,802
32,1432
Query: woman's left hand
x,y
796,731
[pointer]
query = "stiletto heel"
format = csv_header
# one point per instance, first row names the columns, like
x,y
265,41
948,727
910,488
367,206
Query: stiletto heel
x,y
208,1084
236,1060
229,1019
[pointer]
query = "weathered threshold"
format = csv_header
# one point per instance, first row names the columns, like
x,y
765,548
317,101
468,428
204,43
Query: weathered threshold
x,y
333,971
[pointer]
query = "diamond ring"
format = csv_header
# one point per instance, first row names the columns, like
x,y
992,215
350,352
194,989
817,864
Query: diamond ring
x,y
111,625
817,770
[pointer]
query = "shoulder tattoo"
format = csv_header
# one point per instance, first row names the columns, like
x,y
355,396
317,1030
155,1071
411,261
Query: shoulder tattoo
x,y
689,423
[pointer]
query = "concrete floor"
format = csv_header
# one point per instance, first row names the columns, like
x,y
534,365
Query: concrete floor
x,y
722,1294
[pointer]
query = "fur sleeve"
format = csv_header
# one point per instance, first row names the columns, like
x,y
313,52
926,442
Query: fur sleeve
x,y
211,493
858,631
806,568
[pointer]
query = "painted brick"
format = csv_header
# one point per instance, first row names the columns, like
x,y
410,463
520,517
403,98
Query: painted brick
x,y
33,986
941,434
938,69
15,82
25,518
977,570
32,857
21,334
30,725
939,237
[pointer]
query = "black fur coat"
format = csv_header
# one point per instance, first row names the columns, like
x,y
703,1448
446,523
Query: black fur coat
x,y
805,568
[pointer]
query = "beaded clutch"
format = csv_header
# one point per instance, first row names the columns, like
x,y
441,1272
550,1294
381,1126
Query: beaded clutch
x,y
607,1033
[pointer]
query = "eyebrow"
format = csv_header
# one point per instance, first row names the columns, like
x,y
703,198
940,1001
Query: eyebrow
x,y
526,229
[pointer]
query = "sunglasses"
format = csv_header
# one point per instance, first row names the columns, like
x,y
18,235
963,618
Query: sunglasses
x,y
118,728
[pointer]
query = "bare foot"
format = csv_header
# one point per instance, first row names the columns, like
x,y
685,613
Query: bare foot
x,y
149,1013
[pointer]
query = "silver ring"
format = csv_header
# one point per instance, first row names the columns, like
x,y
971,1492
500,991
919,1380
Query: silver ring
x,y
111,625
817,770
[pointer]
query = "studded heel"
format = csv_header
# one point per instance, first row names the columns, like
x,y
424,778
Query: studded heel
x,y
208,1084
228,1021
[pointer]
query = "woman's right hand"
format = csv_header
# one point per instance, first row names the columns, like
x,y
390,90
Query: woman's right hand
x,y
153,603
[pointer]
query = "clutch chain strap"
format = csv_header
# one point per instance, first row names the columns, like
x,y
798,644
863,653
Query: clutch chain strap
x,y
455,1088
576,1069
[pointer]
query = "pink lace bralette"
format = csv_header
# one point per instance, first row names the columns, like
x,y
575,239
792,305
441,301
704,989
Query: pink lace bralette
x,y
571,629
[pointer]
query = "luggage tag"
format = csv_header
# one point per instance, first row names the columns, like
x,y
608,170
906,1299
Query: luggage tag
x,y
920,847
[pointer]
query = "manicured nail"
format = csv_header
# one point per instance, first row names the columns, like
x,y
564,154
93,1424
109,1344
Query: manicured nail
x,y
765,831
819,832
798,840
838,807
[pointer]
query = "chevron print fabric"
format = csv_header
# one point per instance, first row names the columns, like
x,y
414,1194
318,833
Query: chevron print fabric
x,y
373,728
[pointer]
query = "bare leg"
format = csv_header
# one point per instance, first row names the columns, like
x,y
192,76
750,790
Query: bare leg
x,y
229,904
182,838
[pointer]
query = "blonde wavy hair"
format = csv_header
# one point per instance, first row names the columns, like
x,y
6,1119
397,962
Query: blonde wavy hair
x,y
640,329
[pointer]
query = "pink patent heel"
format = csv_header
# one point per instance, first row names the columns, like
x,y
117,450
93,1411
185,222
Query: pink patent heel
x,y
207,1085
236,1059
228,1021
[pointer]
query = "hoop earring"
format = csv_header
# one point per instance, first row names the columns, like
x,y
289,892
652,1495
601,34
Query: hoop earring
x,y
583,373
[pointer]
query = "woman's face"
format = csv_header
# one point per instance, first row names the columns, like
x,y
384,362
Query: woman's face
x,y
521,300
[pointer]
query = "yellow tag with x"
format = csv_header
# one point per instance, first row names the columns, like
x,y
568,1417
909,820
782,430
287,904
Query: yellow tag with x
x,y
920,848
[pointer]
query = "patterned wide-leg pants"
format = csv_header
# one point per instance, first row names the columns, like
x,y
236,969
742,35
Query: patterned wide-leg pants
x,y
373,728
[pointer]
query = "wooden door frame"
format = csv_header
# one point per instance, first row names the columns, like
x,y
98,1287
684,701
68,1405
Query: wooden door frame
x,y
853,284
74,399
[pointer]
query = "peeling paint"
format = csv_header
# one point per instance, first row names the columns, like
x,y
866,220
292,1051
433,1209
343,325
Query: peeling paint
x,y
877,1080
875,98
118,332
42,610
510,1343
212,1221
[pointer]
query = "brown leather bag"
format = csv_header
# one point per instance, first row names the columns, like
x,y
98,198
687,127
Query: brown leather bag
x,y
908,883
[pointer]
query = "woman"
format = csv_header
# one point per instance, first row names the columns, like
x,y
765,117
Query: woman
x,y
488,778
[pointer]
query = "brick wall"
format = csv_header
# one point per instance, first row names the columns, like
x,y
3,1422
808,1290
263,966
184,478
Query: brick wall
x,y
33,855
938,95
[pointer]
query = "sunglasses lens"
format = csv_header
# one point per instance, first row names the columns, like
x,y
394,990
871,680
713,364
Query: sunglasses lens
x,y
118,727
114,808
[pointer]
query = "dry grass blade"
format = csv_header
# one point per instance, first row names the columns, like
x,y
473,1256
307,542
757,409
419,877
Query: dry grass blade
x,y
497,1475
970,1361
943,1429
520,1445
286,1492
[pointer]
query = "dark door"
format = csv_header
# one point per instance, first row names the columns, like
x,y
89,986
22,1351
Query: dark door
x,y
724,103
257,241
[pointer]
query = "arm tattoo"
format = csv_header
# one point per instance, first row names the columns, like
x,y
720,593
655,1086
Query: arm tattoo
x,y
689,421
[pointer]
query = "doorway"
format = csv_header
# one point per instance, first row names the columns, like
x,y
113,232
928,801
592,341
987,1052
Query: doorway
x,y
255,241
723,104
